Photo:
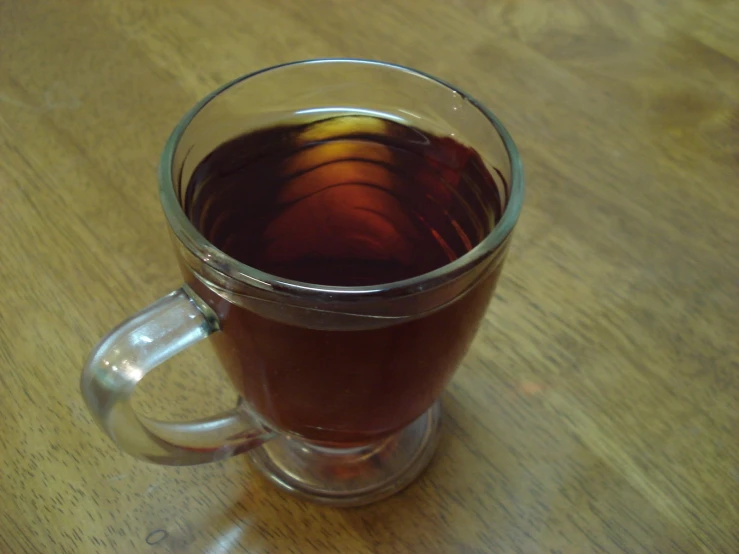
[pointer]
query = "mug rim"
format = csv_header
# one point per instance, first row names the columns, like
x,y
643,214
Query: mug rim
x,y
222,263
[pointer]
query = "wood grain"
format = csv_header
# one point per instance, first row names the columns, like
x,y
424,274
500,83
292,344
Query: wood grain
x,y
599,408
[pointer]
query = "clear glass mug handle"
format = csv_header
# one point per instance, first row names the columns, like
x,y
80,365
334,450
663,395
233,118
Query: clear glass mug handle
x,y
128,353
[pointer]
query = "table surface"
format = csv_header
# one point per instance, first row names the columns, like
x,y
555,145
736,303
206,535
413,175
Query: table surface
x,y
598,410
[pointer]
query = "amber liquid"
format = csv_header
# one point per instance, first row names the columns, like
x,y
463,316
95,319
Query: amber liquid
x,y
346,201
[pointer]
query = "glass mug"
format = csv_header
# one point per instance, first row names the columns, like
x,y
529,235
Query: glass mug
x,y
338,386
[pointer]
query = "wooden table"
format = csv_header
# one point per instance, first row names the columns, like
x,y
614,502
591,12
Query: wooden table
x,y
598,410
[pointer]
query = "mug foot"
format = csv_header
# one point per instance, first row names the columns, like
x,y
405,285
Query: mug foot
x,y
351,476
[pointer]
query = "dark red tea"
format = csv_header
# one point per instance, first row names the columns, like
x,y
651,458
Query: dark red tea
x,y
345,201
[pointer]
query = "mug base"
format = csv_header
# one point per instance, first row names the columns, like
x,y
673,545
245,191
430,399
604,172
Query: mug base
x,y
351,476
